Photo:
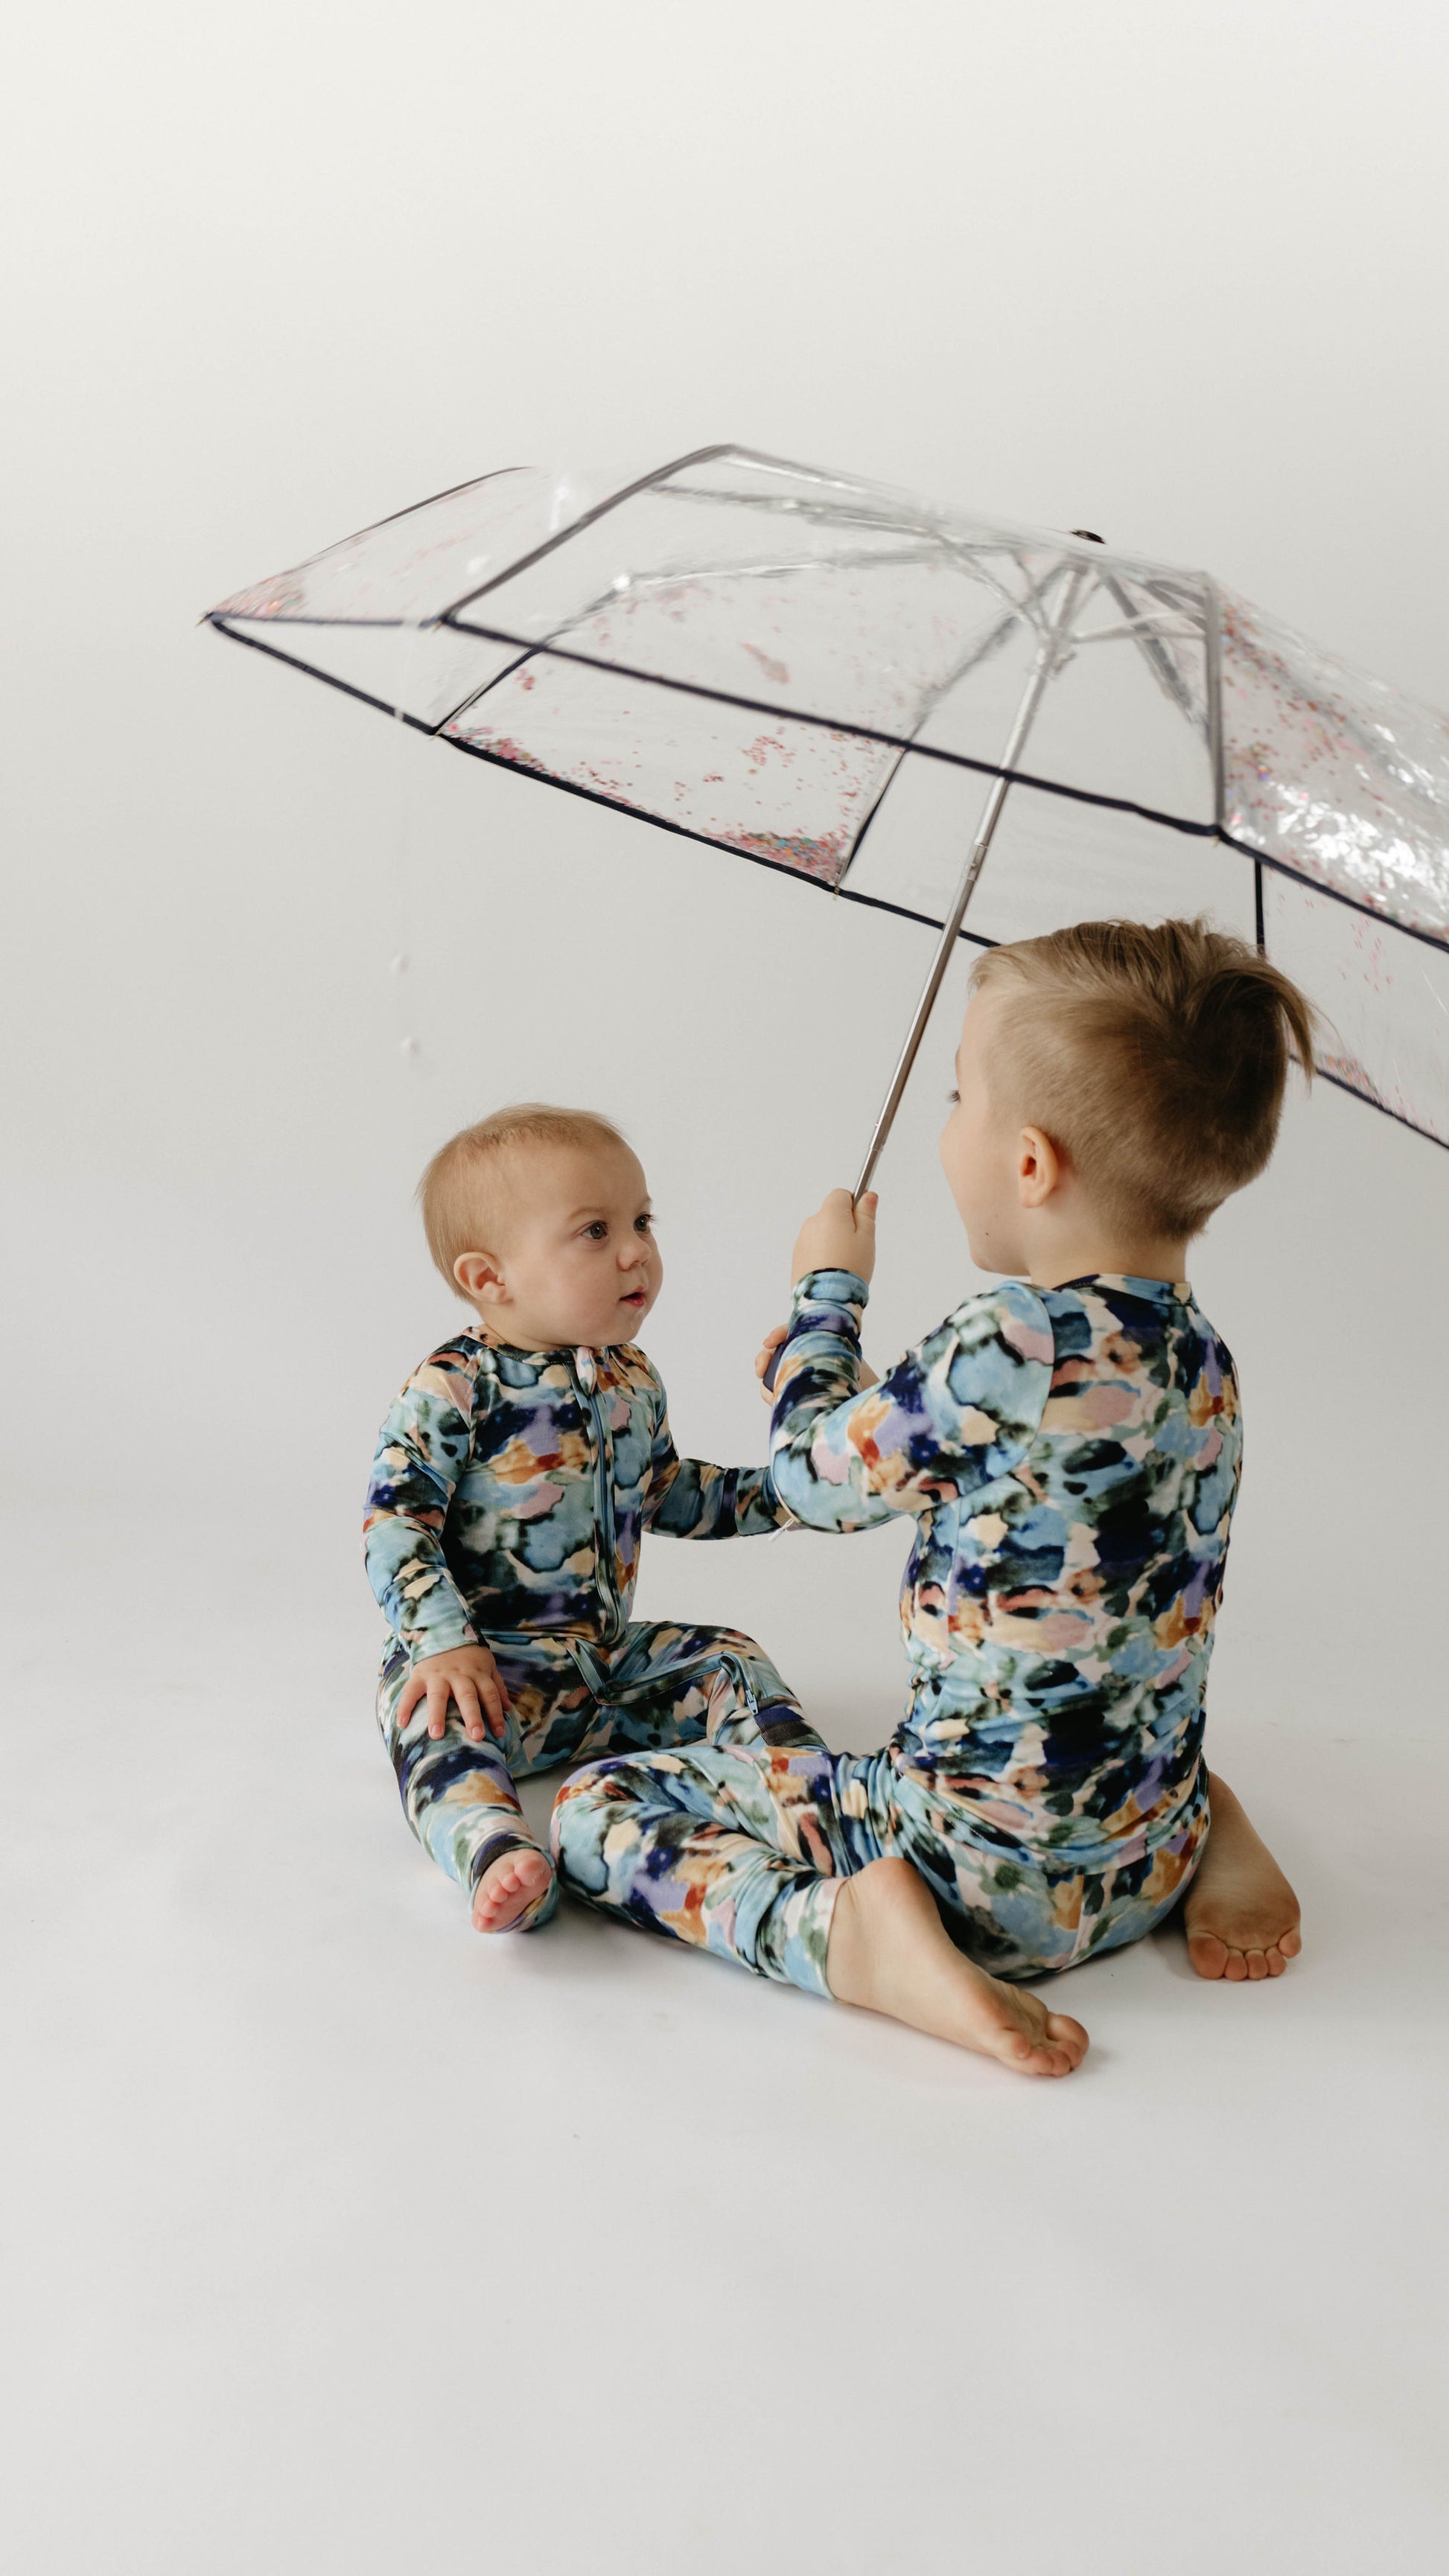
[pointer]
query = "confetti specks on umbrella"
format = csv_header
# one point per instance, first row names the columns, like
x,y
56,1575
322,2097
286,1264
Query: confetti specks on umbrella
x,y
824,675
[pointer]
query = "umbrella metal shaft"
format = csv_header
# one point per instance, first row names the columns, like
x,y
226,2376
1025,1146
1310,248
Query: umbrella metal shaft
x,y
1031,697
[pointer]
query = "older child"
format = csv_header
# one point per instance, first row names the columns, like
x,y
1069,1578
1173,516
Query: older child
x,y
1068,1445
514,1475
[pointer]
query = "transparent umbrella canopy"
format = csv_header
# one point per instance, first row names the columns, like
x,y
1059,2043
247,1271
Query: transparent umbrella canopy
x,y
990,730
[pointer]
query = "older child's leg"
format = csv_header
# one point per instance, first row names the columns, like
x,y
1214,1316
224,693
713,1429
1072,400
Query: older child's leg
x,y
773,1858
1240,1914
890,1952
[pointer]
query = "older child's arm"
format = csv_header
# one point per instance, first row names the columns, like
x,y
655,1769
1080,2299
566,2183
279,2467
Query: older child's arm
x,y
421,1452
952,1415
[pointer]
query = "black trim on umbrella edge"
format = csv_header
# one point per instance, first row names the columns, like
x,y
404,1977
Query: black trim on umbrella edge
x,y
1382,1106
843,894
705,840
310,671
830,724
592,795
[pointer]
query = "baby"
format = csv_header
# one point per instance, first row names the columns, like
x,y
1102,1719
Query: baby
x,y
514,1475
1068,1447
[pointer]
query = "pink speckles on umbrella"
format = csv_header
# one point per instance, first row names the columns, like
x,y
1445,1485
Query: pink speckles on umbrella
x,y
782,662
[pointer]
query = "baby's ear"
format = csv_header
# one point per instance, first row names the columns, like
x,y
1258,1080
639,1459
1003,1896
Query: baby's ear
x,y
478,1274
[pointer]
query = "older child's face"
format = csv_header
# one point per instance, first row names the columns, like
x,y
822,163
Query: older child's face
x,y
980,1149
578,1262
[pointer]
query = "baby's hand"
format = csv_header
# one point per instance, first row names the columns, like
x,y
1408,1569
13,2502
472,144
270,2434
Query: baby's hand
x,y
763,1357
840,1237
771,1344
466,1675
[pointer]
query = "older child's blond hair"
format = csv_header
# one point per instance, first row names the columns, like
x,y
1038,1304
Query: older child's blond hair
x,y
1154,1059
464,1190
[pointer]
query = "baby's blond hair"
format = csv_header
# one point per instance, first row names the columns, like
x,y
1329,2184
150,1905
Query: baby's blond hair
x,y
461,1193
1154,1058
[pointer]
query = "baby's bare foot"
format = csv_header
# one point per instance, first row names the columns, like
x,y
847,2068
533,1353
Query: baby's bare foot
x,y
890,1952
513,1887
1240,1914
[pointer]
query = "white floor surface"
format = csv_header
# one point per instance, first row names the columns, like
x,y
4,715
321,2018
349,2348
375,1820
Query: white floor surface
x,y
340,2238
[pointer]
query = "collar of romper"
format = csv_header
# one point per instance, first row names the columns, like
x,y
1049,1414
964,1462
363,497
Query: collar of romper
x,y
1156,1292
585,1361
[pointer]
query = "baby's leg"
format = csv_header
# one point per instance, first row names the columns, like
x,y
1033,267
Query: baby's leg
x,y
458,1797
669,1685
1240,1914
774,1859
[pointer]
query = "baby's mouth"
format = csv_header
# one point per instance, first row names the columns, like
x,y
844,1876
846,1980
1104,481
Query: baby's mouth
x,y
632,1297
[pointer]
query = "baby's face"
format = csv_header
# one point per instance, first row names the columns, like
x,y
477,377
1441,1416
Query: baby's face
x,y
579,1260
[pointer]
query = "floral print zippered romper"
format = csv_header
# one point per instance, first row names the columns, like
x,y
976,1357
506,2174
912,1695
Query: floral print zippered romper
x,y
507,1502
1070,1457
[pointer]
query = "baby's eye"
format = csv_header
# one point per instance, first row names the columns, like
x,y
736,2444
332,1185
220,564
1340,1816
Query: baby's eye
x,y
598,1232
643,1224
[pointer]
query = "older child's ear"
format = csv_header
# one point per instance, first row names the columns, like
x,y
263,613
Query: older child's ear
x,y
1038,1169
479,1275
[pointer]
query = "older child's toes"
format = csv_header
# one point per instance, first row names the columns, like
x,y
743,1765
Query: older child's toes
x,y
1056,2046
511,1890
1069,2037
889,1952
1240,1965
1240,1914
1208,1954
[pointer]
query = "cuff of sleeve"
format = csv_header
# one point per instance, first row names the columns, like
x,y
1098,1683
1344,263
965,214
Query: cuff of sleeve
x,y
839,1290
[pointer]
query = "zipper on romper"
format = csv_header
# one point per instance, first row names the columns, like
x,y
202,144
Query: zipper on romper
x,y
586,1371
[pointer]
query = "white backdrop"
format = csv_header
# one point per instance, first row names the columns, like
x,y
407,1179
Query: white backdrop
x,y
1174,273
1170,273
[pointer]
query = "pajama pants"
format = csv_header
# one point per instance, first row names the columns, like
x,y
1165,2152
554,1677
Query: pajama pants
x,y
659,1686
740,1846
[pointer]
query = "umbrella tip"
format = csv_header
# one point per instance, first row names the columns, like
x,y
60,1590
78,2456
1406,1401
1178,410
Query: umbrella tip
x,y
1090,534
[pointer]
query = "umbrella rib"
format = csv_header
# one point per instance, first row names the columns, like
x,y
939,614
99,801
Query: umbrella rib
x,y
586,519
851,725
981,651
1161,664
1435,939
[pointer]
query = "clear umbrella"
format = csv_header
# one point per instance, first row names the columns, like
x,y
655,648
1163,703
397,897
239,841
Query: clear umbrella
x,y
916,710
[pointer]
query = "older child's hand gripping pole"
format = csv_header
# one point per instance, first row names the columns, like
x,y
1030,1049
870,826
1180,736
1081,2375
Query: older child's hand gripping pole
x,y
840,1236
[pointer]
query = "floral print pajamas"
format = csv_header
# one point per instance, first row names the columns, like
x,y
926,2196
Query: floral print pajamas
x,y
508,1498
1070,1457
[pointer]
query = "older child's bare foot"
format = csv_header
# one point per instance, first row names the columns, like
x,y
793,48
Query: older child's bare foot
x,y
890,1952
512,1888
1240,1914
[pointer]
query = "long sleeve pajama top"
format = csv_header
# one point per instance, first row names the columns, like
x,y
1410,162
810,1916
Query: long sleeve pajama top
x,y
511,1489
1070,1458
